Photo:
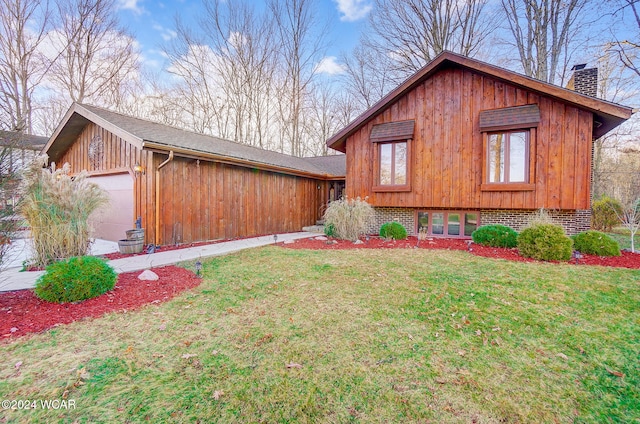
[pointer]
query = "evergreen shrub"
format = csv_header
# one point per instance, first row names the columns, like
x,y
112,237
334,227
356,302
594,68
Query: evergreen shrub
x,y
495,236
393,230
596,243
75,279
545,242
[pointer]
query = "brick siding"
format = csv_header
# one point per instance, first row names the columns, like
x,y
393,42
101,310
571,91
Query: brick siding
x,y
404,216
573,222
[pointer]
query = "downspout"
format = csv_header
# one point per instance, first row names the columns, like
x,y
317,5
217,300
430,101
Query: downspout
x,y
169,159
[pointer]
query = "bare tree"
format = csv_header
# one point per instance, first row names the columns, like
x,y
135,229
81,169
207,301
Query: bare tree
x,y
322,121
199,94
629,216
542,32
366,78
612,163
97,59
226,72
23,26
301,46
628,49
410,33
245,43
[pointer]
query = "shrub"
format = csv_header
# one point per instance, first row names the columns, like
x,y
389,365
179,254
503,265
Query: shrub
x,y
75,279
596,243
605,214
57,207
546,242
348,218
393,230
495,236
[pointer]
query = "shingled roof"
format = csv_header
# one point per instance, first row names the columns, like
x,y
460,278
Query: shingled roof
x,y
145,134
23,141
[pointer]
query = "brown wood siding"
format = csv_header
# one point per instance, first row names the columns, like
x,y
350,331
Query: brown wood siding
x,y
207,201
203,200
447,151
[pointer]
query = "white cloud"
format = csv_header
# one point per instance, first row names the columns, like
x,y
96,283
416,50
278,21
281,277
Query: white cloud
x,y
166,33
353,10
130,5
328,65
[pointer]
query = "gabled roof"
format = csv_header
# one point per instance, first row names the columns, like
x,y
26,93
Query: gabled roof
x,y
154,136
22,141
607,115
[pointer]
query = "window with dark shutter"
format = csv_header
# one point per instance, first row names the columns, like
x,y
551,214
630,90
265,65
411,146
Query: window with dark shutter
x,y
392,155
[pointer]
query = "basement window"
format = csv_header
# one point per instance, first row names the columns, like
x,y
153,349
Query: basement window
x,y
458,224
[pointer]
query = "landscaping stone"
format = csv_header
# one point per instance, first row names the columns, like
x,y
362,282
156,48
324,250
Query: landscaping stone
x,y
148,275
321,238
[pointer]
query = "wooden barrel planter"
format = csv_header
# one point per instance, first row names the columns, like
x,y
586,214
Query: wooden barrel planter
x,y
135,234
130,246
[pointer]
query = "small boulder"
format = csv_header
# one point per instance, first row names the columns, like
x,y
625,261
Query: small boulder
x,y
358,242
289,241
321,238
148,275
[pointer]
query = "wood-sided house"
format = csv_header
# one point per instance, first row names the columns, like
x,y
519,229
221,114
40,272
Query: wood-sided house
x,y
464,142
190,187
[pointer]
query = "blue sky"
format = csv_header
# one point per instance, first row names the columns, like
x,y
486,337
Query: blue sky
x,y
152,23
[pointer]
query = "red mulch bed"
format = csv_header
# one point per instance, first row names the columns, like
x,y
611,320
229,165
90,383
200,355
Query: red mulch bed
x,y
22,312
627,260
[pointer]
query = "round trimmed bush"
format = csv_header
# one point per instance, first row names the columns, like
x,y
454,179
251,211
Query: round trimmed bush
x,y
596,243
393,230
75,279
545,242
495,236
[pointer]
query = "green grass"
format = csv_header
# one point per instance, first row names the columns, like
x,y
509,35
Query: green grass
x,y
369,336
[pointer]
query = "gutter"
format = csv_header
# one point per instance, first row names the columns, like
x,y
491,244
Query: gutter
x,y
236,161
169,159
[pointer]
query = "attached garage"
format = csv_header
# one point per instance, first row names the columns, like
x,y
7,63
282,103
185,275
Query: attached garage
x,y
118,217
188,187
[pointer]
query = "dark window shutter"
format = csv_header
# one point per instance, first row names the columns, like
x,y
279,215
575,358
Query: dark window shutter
x,y
510,118
392,131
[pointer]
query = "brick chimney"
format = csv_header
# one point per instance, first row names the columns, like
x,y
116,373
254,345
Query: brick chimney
x,y
584,81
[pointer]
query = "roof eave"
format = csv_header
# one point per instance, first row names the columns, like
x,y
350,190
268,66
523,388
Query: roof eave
x,y
73,123
184,152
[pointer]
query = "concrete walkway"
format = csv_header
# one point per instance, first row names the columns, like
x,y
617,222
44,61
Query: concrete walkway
x,y
12,279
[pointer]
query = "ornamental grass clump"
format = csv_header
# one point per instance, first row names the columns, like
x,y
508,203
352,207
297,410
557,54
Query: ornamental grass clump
x,y
495,236
596,243
545,242
75,279
348,219
57,207
393,230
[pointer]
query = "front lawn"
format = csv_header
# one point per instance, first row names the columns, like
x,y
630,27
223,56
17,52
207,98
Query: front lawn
x,y
407,335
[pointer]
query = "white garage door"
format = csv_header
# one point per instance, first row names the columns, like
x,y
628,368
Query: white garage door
x,y
111,222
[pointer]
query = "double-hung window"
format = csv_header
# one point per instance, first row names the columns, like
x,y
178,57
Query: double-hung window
x,y
508,157
509,140
392,158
